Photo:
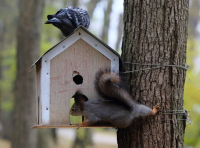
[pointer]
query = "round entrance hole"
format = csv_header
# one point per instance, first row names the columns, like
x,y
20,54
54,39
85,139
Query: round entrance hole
x,y
78,79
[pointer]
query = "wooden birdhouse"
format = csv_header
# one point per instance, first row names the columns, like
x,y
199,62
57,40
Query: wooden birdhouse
x,y
66,67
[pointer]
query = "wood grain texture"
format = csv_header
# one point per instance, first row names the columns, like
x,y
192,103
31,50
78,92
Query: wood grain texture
x,y
80,58
155,32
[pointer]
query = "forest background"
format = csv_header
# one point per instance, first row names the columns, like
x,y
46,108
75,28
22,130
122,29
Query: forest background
x,y
106,24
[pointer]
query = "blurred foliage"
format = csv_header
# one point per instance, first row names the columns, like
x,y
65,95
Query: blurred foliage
x,y
191,95
50,35
8,21
6,84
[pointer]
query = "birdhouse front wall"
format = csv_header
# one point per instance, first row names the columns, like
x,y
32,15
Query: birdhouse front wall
x,y
79,54
78,59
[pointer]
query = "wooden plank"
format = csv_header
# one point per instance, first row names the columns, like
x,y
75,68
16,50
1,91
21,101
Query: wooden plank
x,y
80,58
38,83
69,126
97,44
45,90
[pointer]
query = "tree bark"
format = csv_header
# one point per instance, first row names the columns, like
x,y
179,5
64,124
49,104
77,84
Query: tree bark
x,y
155,32
28,48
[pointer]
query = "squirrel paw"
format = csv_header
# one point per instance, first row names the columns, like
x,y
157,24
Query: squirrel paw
x,y
156,109
78,125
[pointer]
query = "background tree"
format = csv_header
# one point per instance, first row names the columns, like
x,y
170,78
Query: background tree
x,y
194,18
107,12
120,32
155,33
91,6
28,48
9,12
7,68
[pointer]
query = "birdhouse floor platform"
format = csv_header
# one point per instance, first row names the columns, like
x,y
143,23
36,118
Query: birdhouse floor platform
x,y
70,126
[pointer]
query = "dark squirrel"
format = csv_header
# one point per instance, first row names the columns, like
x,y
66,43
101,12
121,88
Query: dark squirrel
x,y
116,106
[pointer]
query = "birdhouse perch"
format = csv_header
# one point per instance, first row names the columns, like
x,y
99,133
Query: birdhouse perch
x,y
68,66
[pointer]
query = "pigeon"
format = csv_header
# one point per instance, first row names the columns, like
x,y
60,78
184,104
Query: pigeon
x,y
68,19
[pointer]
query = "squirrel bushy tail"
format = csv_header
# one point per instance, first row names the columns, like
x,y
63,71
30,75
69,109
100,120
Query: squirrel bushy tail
x,y
110,87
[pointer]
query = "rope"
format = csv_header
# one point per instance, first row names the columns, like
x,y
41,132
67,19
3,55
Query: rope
x,y
192,82
158,66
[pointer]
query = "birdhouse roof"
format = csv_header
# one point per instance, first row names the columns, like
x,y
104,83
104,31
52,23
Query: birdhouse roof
x,y
89,33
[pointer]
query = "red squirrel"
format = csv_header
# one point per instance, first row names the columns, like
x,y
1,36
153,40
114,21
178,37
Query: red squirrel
x,y
115,104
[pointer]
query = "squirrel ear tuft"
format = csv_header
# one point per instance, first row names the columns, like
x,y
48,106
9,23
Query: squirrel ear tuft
x,y
78,92
79,98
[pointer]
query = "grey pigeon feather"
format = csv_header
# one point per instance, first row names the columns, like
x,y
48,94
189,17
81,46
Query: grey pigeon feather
x,y
68,19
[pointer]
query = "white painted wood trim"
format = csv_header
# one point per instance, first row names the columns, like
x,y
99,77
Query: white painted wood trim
x,y
45,71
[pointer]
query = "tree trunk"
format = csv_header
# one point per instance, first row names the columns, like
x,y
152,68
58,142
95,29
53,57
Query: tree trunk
x,y
194,19
91,6
46,138
155,32
8,21
106,24
83,138
75,3
120,32
6,123
28,48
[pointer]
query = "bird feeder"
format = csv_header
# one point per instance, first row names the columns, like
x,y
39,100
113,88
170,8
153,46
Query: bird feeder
x,y
68,66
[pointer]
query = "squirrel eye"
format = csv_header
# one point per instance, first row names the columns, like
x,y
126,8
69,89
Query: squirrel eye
x,y
73,109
